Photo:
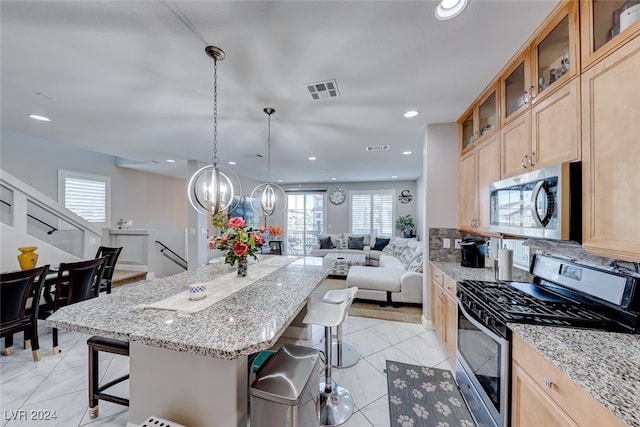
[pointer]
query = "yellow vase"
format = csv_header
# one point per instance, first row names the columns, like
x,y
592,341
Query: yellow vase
x,y
28,258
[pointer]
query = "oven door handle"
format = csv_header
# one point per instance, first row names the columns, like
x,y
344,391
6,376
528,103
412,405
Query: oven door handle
x,y
480,326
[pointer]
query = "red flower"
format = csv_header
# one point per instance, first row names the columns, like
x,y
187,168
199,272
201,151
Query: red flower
x,y
224,238
258,238
236,222
239,248
212,244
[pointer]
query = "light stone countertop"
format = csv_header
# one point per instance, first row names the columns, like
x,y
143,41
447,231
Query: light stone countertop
x,y
605,364
245,322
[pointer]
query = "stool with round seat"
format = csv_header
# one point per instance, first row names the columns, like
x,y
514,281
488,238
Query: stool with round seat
x,y
336,402
343,354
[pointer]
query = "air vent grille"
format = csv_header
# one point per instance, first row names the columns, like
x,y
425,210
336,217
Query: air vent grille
x,y
384,147
323,89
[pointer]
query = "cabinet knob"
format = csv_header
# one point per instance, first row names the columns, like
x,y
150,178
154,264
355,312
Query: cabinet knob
x,y
524,161
531,159
532,93
550,384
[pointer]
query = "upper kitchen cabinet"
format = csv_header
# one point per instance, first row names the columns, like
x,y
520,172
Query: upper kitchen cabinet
x,y
610,153
480,121
605,26
555,52
515,87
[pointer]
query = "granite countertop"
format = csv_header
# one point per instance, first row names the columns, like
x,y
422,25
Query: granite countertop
x,y
245,322
605,364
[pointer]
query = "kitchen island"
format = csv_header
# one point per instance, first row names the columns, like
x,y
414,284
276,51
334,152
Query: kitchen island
x,y
191,368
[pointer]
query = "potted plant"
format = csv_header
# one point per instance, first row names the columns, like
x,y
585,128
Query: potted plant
x,y
405,225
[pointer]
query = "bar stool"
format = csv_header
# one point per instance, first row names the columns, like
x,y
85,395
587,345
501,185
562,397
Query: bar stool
x,y
343,354
336,402
97,391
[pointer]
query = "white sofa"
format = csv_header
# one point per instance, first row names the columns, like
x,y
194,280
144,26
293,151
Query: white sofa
x,y
391,275
340,243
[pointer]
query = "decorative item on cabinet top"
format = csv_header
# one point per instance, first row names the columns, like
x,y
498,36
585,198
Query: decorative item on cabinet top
x,y
405,196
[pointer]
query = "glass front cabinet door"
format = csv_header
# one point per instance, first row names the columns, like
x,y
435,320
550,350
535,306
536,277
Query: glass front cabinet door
x,y
555,51
515,87
606,25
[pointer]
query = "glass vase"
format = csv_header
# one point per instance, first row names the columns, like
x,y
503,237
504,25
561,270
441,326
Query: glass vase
x,y
242,266
28,258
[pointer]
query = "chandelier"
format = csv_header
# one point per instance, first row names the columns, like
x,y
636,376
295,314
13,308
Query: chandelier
x,y
268,198
212,189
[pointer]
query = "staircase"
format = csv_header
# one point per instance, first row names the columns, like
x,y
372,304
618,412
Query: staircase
x,y
124,277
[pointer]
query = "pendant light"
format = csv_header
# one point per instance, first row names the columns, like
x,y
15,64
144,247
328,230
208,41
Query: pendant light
x,y
268,198
214,188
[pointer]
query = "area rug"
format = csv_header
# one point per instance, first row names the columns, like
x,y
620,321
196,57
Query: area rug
x,y
405,313
421,396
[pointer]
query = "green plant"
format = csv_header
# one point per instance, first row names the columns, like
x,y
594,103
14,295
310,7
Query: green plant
x,y
405,224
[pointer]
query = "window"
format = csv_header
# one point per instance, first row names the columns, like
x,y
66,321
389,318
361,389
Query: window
x,y
520,252
88,196
372,212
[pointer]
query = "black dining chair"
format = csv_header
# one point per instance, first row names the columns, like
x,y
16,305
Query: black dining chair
x,y
112,255
19,304
77,281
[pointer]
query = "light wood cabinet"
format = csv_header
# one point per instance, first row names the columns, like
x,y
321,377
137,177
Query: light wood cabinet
x,y
480,121
541,395
611,153
478,169
601,32
546,135
467,192
444,309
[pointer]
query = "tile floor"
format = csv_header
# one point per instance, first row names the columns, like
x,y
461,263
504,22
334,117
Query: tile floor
x,y
59,383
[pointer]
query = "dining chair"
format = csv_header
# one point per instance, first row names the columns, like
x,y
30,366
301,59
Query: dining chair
x,y
77,281
112,255
19,304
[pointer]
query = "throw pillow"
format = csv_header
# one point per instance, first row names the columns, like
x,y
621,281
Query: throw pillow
x,y
356,242
342,243
380,244
389,248
416,264
325,242
407,256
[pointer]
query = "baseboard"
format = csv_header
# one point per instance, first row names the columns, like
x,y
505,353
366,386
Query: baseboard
x,y
427,324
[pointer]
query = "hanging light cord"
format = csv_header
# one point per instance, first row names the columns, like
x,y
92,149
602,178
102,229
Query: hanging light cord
x,y
269,151
215,158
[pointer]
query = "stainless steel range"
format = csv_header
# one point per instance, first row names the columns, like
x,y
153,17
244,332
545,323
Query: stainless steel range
x,y
563,293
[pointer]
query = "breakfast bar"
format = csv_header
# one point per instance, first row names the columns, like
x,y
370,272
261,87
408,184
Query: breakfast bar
x,y
191,367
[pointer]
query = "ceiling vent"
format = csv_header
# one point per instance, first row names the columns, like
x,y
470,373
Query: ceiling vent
x,y
324,89
384,147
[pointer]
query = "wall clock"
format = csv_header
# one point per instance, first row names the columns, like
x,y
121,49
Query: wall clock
x,y
337,196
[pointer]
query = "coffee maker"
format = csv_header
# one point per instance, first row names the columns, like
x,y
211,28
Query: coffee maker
x,y
473,250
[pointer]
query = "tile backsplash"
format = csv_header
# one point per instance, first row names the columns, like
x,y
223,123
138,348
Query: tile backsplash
x,y
436,250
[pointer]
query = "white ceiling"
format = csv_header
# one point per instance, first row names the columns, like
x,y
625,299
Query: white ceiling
x,y
131,80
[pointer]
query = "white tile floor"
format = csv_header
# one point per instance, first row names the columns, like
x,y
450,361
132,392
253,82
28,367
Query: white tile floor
x,y
59,383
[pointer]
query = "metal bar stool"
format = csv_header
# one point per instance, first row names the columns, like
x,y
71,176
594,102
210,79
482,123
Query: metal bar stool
x,y
336,402
343,354
97,391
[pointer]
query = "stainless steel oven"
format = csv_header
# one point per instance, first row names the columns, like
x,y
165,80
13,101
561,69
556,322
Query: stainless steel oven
x,y
564,293
482,370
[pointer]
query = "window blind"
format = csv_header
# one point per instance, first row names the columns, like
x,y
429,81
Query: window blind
x,y
87,197
372,212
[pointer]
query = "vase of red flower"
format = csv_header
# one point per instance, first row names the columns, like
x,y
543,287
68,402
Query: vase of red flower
x,y
238,244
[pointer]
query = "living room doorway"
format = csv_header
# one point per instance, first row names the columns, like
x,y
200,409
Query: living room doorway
x,y
305,220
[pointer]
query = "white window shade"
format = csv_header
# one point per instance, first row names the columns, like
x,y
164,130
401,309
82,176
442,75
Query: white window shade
x,y
88,196
372,212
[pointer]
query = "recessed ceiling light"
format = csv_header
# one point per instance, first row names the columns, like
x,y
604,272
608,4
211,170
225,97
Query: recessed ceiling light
x,y
333,179
232,163
411,113
406,153
312,158
448,9
394,176
170,161
279,180
41,118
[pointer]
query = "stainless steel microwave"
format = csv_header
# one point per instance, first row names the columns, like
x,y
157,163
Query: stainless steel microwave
x,y
546,203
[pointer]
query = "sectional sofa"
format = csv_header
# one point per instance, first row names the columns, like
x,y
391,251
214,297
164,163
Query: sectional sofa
x,y
393,266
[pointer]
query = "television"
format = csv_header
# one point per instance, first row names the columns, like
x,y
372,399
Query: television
x,y
246,212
